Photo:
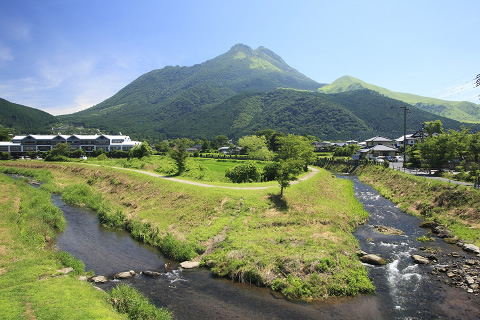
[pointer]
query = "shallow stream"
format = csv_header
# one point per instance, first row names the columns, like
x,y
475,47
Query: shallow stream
x,y
404,290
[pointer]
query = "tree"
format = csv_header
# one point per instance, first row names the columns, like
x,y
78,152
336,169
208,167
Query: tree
x,y
288,170
220,141
5,134
143,150
295,153
162,146
433,127
256,147
179,153
297,148
246,172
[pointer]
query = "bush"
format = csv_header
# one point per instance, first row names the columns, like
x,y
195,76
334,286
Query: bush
x,y
52,157
270,171
247,172
128,300
4,156
70,261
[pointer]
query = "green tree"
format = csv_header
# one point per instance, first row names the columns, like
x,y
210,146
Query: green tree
x,y
256,147
297,148
246,172
143,150
162,146
433,127
295,153
5,134
179,154
220,141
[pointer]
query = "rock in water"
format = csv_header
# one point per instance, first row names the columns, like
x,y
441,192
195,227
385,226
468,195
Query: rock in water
x,y
420,259
471,248
124,275
151,273
373,259
189,264
99,279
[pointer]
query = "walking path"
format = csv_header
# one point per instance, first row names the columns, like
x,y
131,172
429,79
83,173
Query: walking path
x,y
313,172
420,173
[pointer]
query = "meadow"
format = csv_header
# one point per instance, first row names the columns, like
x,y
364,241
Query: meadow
x,y
32,285
301,245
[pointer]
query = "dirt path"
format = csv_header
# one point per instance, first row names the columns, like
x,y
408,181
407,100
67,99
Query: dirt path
x,y
305,177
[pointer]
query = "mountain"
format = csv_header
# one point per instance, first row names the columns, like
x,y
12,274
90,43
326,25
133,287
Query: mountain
x,y
458,110
25,120
358,114
155,100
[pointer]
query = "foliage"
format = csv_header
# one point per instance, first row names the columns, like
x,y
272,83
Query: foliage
x,y
130,301
346,151
143,150
179,154
162,146
247,172
256,147
433,127
270,171
70,261
5,133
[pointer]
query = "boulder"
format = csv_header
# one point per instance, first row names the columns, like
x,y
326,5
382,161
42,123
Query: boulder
x,y
82,278
151,273
471,248
124,275
420,259
65,270
189,264
99,279
373,259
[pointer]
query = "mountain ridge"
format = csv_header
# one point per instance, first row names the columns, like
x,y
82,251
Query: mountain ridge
x,y
463,111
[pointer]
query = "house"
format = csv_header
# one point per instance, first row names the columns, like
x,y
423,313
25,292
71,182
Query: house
x,y
376,151
379,140
350,142
20,145
195,148
224,150
411,140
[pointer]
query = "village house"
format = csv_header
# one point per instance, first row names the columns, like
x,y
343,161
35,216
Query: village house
x,y
377,147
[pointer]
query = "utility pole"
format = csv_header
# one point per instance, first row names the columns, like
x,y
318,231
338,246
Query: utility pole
x,y
406,110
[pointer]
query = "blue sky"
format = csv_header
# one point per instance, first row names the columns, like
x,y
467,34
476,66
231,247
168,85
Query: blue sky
x,y
63,56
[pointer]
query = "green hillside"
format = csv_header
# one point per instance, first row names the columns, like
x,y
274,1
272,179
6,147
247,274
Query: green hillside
x,y
156,99
358,114
458,110
25,120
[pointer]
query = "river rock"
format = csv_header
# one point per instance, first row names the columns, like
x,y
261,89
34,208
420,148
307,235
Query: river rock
x,y
420,259
99,279
151,273
373,259
189,264
124,275
82,278
471,248
65,270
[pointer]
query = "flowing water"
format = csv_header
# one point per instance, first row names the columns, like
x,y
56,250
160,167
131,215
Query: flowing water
x,y
404,290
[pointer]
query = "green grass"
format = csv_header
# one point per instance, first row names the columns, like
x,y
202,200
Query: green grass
x,y
30,286
301,245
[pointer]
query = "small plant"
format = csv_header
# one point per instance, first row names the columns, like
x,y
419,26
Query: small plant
x,y
425,238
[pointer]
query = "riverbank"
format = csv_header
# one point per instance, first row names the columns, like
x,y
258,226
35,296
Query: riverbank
x,y
455,207
301,245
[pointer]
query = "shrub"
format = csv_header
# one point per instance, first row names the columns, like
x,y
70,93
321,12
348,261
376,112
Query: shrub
x,y
70,261
270,171
247,172
128,300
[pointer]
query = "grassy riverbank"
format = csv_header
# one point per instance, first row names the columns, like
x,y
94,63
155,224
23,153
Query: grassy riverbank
x,y
454,206
301,245
31,285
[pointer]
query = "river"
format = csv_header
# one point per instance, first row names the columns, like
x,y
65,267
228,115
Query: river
x,y
404,290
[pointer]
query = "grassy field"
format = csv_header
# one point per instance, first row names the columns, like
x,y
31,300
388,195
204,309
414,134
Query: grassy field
x,y
30,285
454,206
301,245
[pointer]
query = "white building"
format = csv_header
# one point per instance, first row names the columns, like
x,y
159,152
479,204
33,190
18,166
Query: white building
x,y
43,143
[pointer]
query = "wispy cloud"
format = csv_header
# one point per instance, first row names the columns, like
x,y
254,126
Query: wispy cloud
x,y
5,53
